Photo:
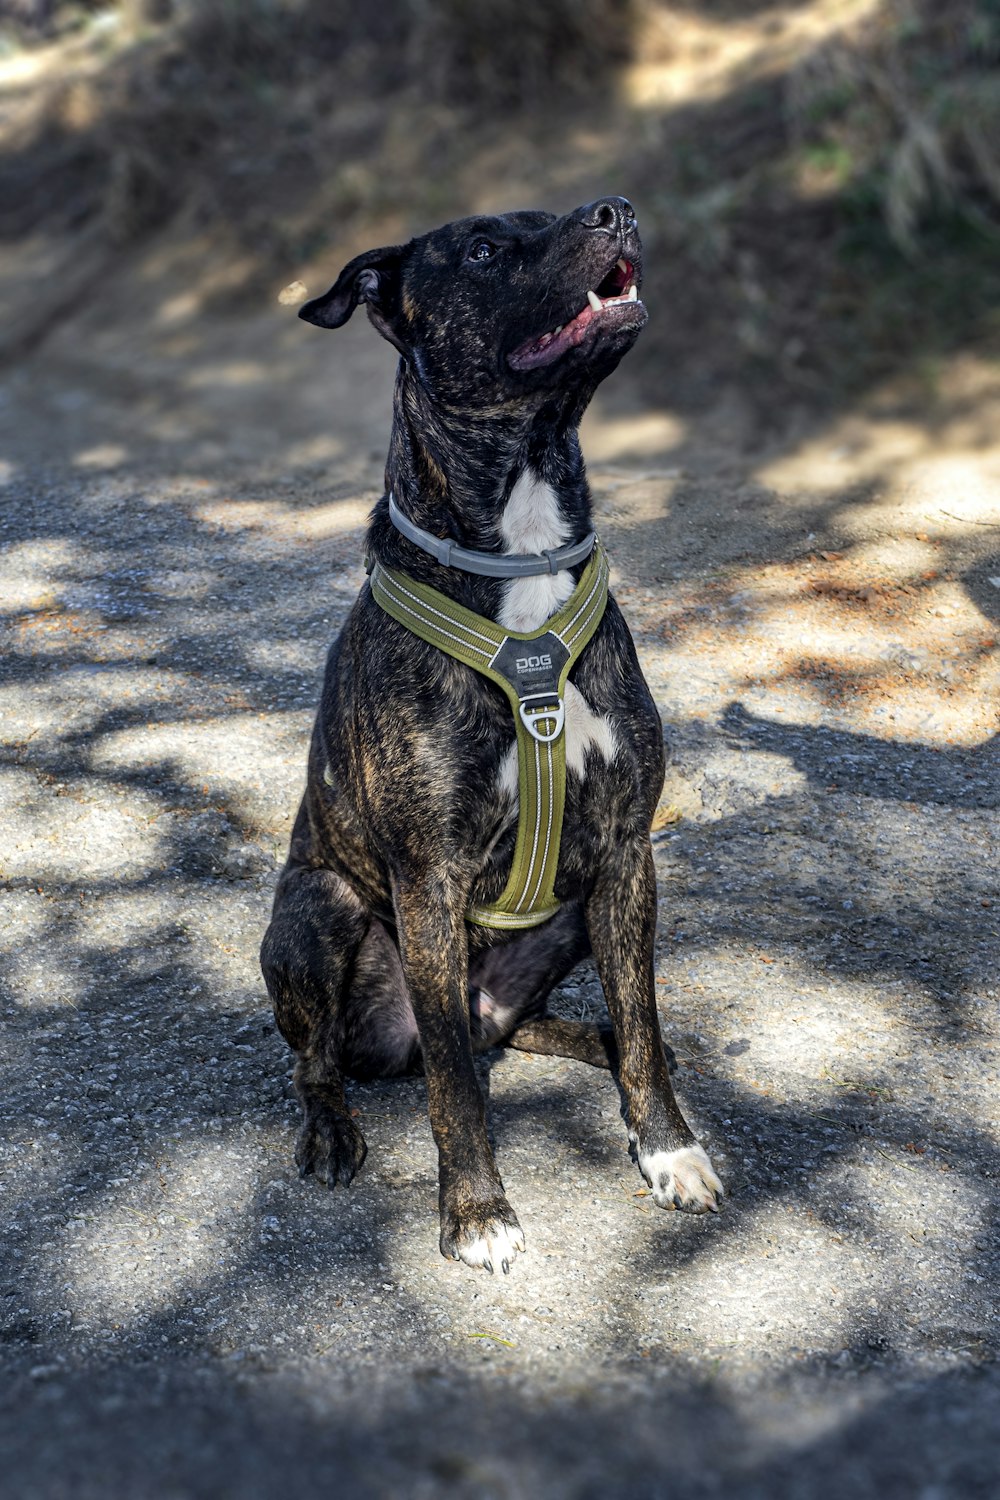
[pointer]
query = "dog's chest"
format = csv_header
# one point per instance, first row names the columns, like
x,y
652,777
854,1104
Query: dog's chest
x,y
533,521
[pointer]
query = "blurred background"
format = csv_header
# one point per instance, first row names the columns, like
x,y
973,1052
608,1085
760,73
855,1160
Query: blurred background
x,y
818,182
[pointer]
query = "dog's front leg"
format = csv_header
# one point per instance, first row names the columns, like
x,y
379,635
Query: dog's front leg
x,y
478,1225
621,921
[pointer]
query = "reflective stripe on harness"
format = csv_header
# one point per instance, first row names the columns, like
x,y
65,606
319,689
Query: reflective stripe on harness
x,y
532,671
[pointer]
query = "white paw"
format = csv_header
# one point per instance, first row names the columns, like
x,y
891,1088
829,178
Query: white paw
x,y
492,1249
682,1179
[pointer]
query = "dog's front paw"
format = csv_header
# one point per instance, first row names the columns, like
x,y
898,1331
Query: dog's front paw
x,y
485,1236
331,1145
682,1179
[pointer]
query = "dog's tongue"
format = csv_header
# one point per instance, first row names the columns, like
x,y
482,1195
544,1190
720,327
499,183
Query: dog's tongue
x,y
549,347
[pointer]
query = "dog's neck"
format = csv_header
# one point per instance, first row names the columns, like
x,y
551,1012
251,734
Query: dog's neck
x,y
499,479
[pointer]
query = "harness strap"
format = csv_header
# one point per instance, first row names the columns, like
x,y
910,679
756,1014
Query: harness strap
x,y
532,671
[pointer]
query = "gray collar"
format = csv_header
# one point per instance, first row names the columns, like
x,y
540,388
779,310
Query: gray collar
x,y
492,564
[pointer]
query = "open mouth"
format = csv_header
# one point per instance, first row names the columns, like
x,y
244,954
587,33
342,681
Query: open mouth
x,y
617,289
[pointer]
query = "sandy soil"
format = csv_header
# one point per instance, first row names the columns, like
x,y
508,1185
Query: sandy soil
x,y
816,608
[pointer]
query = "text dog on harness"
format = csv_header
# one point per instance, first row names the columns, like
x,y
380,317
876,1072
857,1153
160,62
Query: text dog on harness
x,y
486,758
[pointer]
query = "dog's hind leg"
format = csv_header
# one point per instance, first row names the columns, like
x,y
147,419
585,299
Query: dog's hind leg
x,y
307,955
583,1041
510,983
510,986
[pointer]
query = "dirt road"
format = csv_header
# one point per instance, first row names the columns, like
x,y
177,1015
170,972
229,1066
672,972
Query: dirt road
x,y
816,607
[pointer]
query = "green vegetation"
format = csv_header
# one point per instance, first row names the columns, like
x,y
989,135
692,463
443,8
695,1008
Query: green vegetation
x,y
909,108
821,225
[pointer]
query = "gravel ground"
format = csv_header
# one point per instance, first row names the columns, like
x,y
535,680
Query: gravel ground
x,y
181,1316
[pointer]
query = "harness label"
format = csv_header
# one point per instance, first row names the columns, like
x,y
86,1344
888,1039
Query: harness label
x,y
532,666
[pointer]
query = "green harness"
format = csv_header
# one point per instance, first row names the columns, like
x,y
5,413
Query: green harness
x,y
532,671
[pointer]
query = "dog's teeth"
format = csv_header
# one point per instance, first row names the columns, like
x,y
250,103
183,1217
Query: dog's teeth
x,y
594,301
622,265
633,293
559,329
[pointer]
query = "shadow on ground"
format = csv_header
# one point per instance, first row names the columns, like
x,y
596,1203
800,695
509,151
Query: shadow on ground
x,y
183,1316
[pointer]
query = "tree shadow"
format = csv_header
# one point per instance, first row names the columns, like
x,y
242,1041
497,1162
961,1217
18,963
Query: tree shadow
x,y
263,1433
868,765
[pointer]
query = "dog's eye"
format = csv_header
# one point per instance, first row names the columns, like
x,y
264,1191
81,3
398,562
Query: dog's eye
x,y
482,250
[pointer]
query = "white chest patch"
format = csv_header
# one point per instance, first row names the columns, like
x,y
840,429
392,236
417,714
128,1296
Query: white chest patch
x,y
583,729
532,521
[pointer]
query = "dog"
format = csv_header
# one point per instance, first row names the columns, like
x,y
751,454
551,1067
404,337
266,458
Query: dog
x,y
505,326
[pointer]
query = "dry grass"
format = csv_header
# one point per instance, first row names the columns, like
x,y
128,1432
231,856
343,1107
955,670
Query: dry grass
x,y
805,177
908,103
225,107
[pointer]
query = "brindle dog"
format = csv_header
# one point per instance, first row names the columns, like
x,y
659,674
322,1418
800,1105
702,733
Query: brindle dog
x,y
505,327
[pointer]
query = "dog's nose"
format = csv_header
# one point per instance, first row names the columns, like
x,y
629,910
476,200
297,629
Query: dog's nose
x,y
611,215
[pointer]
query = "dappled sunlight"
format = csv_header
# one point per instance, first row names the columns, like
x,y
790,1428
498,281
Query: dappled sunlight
x,y
933,1206
220,937
55,631
165,781
791,1028
882,633
236,373
103,456
822,968
805,1264
77,700
287,655
927,1198
280,523
798,493
702,59
180,308
74,831
822,682
324,449
120,935
825,1286
607,436
27,569
37,982
813,1028
971,483
125,1263
184,583
915,451
249,762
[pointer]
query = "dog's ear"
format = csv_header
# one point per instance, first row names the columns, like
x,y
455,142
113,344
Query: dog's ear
x,y
373,278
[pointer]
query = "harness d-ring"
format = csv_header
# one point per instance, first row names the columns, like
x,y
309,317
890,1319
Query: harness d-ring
x,y
531,720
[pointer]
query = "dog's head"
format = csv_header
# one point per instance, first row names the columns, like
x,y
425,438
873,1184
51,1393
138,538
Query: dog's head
x,y
496,310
